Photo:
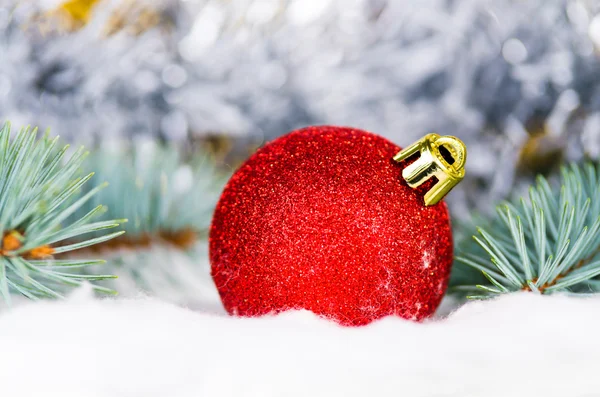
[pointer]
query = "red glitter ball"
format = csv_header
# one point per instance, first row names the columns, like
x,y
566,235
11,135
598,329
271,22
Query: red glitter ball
x,y
321,219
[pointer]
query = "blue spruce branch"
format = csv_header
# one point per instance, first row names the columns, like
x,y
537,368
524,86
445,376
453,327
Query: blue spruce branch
x,y
546,243
165,197
40,190
169,199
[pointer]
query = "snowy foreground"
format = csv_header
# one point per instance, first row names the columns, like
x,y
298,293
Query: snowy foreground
x,y
517,345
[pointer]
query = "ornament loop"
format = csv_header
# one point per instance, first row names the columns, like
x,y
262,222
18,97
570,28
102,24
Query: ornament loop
x,y
441,156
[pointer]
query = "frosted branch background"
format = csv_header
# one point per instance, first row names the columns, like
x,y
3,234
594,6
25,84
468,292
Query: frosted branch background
x,y
488,72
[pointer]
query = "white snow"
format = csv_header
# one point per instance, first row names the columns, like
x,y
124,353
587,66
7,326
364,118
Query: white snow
x,y
518,345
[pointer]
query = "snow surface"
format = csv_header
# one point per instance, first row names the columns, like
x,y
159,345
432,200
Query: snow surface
x,y
520,344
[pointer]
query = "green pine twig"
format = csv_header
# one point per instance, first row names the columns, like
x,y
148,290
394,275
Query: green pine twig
x,y
166,199
547,243
40,190
169,198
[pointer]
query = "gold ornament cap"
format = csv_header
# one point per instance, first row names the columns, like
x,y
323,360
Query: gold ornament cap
x,y
441,156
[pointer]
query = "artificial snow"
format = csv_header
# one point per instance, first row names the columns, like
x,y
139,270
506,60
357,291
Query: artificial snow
x,y
517,345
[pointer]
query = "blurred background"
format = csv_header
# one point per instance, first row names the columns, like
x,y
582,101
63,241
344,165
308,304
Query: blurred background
x,y
517,81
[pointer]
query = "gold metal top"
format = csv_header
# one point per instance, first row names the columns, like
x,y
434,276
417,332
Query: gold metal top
x,y
441,156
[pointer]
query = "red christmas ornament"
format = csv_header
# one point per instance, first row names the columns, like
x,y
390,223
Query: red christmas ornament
x,y
322,219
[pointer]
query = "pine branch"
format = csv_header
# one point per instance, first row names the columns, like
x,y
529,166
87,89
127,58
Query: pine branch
x,y
165,198
547,243
39,192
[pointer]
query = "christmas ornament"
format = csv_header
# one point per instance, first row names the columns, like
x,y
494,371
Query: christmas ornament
x,y
322,219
